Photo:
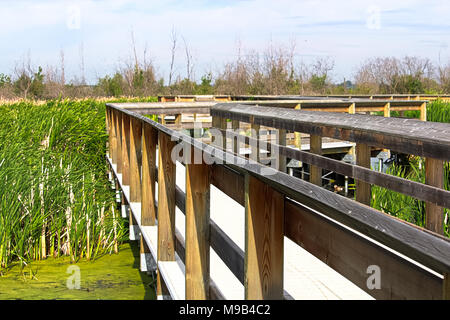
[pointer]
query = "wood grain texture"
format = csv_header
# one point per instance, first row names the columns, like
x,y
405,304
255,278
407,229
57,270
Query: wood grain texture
x,y
316,148
135,159
281,157
125,149
166,204
264,232
197,231
351,255
119,141
149,144
414,189
236,144
166,199
434,176
113,137
363,188
411,136
446,287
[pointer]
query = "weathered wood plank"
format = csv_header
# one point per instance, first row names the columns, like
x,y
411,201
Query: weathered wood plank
x,y
149,143
351,255
135,159
434,176
125,149
197,230
119,141
230,182
316,148
264,232
446,287
411,136
414,189
166,202
363,189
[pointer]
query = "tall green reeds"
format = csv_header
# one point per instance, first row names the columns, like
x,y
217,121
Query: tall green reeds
x,y
55,198
405,207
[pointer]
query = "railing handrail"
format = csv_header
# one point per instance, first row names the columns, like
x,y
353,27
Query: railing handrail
x,y
410,136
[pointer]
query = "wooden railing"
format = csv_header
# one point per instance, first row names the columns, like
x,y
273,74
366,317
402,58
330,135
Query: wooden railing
x,y
345,234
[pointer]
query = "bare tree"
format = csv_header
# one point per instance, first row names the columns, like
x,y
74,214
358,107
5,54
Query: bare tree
x,y
63,75
83,75
189,64
173,38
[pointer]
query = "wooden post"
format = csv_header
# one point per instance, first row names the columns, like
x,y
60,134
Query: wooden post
x,y
178,119
197,230
135,159
254,152
119,140
387,114
264,234
434,176
282,158
149,143
446,286
163,118
236,143
315,146
224,126
297,135
387,110
363,159
166,204
216,124
113,135
352,108
423,111
125,149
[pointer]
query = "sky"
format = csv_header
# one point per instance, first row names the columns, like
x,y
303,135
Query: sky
x,y
348,32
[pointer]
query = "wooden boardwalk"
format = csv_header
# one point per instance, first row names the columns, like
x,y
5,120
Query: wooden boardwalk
x,y
227,230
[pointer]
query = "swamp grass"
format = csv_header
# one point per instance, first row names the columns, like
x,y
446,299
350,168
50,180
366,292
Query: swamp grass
x,y
403,206
55,198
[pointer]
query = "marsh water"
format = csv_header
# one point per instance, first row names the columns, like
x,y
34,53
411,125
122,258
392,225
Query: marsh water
x,y
108,277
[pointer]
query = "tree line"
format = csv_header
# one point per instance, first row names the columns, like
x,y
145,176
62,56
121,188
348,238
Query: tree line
x,y
275,71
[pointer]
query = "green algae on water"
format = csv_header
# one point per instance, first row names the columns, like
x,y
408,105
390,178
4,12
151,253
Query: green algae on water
x,y
109,277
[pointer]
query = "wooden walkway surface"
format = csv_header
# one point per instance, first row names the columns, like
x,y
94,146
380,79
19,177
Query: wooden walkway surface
x,y
305,276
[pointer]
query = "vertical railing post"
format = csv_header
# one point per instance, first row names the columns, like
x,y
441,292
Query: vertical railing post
x,y
434,176
315,146
264,235
178,119
446,287
166,204
135,159
119,140
423,111
224,127
149,143
363,159
125,149
387,114
282,158
254,147
113,136
236,144
197,230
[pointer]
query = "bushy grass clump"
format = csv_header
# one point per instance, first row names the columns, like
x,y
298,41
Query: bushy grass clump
x,y
55,198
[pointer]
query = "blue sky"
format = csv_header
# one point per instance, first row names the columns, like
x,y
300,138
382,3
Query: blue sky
x,y
347,31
